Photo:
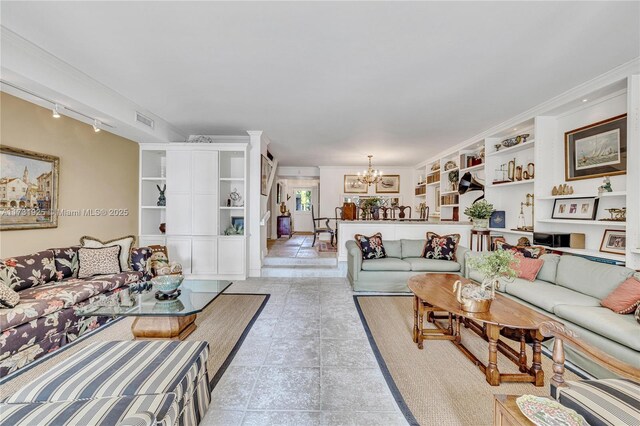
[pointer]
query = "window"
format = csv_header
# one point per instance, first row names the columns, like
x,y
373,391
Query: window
x,y
303,200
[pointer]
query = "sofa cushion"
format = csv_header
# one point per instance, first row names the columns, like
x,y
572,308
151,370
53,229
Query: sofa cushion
x,y
385,264
421,264
125,243
603,321
371,247
98,261
547,296
591,278
527,268
393,248
625,298
412,248
550,268
26,311
66,260
441,247
22,272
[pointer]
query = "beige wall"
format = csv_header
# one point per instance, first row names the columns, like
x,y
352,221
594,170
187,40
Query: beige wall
x,y
97,171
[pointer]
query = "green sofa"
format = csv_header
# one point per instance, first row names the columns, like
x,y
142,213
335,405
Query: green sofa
x,y
569,289
403,260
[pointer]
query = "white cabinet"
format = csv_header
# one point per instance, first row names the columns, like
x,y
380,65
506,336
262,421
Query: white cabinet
x,y
204,214
151,241
204,260
231,256
178,172
205,172
179,249
179,220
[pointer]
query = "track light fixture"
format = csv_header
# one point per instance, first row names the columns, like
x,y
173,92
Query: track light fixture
x,y
55,111
96,126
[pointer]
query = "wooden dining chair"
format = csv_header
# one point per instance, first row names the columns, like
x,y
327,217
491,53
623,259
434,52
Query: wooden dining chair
x,y
318,229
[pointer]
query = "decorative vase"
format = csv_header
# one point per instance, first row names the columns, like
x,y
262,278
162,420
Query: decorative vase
x,y
472,298
375,213
480,224
283,208
163,227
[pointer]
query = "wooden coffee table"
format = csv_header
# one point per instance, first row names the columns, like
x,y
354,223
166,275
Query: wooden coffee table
x,y
433,296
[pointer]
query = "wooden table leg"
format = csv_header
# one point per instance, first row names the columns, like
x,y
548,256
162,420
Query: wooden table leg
x,y
536,367
420,323
523,352
492,373
415,318
170,328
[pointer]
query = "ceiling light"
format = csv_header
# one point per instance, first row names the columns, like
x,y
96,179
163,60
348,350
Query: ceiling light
x,y
54,111
370,176
96,126
585,100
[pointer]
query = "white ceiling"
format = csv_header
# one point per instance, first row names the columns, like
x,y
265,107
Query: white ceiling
x,y
332,82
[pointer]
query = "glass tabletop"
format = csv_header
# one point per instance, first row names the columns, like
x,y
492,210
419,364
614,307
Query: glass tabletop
x,y
195,295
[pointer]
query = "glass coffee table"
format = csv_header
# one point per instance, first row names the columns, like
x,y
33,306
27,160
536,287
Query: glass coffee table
x,y
172,319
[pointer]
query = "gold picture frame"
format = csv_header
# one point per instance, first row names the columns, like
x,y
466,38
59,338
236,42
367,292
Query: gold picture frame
x,y
614,241
29,189
353,186
388,184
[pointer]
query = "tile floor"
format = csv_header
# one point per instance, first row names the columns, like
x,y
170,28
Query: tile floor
x,y
298,246
306,361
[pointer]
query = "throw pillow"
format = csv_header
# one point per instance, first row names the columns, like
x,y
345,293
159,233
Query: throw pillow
x,y
441,247
533,252
625,298
66,260
8,297
371,247
527,268
126,243
637,314
98,261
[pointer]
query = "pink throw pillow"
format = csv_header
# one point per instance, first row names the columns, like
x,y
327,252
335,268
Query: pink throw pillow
x,y
625,298
527,267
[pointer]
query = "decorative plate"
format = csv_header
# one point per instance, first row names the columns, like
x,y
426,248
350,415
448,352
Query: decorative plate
x,y
547,412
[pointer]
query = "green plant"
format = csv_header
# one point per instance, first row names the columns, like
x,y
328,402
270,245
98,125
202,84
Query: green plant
x,y
495,264
367,203
480,210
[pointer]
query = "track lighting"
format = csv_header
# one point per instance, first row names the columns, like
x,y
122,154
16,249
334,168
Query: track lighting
x,y
55,112
96,126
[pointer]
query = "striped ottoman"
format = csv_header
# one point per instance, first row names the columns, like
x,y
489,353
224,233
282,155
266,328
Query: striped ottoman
x,y
611,402
164,382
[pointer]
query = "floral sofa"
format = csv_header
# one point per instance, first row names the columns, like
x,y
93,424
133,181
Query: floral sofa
x,y
45,319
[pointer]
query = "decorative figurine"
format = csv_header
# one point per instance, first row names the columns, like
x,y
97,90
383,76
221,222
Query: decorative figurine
x,y
162,200
236,198
617,215
606,186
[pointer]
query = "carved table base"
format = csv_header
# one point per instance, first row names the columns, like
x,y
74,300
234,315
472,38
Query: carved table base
x,y
169,328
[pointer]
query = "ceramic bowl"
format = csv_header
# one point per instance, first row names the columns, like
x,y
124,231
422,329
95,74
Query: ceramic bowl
x,y
168,306
167,284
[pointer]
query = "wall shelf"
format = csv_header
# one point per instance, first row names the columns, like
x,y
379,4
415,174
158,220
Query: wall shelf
x,y
434,183
592,253
159,179
513,149
518,182
449,205
604,194
153,207
231,179
231,208
603,223
511,231
635,251
472,168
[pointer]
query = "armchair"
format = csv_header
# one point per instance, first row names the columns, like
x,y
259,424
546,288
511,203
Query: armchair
x,y
318,229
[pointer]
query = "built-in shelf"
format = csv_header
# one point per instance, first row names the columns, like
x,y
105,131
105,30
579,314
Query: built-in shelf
x,y
231,208
159,179
434,183
636,251
420,185
472,168
420,195
513,149
450,170
449,205
592,253
518,182
604,194
153,207
511,231
231,179
433,172
448,192
604,223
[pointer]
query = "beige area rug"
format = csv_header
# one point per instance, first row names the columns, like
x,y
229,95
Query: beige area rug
x,y
224,324
439,385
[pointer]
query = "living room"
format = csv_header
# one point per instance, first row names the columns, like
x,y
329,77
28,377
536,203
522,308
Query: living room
x,y
305,213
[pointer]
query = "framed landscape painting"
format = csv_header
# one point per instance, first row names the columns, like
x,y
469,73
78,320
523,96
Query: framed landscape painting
x,y
388,184
28,189
614,241
352,186
599,149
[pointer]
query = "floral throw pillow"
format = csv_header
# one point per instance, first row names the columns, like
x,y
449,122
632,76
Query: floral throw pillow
x,y
66,262
371,247
532,252
441,247
98,261
22,272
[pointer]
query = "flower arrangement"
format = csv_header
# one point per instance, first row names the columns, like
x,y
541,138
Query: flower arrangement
x,y
494,265
480,212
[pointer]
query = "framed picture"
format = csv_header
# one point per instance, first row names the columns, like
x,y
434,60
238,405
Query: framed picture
x,y
599,149
575,208
389,184
237,221
28,189
265,172
614,241
497,219
352,186
278,193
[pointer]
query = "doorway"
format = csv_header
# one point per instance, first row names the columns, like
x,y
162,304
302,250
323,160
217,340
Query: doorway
x,y
303,198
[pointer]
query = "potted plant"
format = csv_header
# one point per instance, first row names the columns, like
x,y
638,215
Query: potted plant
x,y
480,212
370,205
493,266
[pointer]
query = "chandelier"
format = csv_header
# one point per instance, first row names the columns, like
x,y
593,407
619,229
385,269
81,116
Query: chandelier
x,y
370,176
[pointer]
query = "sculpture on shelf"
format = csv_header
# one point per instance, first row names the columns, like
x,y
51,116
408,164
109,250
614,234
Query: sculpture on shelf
x,y
563,189
606,186
617,215
162,200
236,198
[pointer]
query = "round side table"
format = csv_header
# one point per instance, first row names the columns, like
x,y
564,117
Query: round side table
x,y
482,237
